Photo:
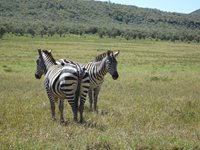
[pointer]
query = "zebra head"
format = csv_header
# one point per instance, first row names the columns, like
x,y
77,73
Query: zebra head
x,y
41,66
111,64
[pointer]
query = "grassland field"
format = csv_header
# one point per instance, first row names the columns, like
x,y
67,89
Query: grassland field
x,y
154,105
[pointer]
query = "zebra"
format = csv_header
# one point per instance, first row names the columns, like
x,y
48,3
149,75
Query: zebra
x,y
97,69
69,81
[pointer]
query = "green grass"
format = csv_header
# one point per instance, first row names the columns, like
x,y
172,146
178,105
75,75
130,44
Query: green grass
x,y
154,104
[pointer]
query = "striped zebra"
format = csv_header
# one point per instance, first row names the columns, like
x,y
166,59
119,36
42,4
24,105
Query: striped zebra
x,y
69,81
103,64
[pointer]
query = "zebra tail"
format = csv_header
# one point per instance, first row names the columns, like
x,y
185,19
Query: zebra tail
x,y
78,90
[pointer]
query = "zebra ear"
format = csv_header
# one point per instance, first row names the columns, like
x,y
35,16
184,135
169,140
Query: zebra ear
x,y
108,53
39,51
50,51
116,53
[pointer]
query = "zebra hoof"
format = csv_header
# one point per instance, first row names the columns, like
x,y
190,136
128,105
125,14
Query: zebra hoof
x,y
82,121
53,119
62,121
75,120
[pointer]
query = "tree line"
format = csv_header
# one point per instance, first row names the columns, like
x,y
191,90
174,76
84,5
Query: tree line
x,y
113,32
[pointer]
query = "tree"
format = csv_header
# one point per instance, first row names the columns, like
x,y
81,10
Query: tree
x,y
2,32
31,32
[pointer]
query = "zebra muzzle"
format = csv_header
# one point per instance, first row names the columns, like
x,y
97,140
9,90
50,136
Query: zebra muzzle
x,y
37,76
115,75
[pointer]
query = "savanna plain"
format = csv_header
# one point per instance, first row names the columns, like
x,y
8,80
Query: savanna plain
x,y
154,104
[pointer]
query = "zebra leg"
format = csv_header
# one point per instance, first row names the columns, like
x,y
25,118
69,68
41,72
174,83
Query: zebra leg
x,y
90,93
81,108
76,110
52,103
61,107
74,107
51,99
96,94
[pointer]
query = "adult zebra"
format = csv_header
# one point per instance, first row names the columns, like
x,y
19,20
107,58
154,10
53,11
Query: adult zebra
x,y
70,82
103,64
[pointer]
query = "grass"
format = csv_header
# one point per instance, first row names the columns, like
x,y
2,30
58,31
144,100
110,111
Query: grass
x,y
153,105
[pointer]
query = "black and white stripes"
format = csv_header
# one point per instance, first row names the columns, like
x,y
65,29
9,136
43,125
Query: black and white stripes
x,y
103,64
69,81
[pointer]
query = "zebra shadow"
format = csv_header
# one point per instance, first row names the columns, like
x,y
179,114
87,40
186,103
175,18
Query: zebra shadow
x,y
87,124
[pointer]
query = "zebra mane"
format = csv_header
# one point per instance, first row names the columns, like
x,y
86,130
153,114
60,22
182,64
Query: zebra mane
x,y
48,53
103,55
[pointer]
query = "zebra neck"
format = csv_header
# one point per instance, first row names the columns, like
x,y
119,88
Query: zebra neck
x,y
47,63
101,68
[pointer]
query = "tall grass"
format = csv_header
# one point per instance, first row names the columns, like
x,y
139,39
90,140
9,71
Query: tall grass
x,y
153,105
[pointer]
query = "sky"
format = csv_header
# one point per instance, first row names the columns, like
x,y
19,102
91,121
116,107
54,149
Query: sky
x,y
180,6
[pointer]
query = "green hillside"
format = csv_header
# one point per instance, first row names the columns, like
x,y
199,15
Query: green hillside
x,y
92,17
196,12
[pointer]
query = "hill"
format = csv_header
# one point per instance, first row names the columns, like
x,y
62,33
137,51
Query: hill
x,y
92,17
196,12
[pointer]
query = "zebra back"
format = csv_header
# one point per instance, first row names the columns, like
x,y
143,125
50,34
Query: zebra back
x,y
83,75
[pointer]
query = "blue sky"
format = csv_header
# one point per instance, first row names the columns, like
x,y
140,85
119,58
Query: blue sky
x,y
181,6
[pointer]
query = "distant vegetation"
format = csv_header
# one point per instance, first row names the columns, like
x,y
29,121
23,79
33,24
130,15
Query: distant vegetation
x,y
49,17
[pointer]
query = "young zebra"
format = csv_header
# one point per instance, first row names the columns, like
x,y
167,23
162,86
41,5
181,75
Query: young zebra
x,y
97,69
69,82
